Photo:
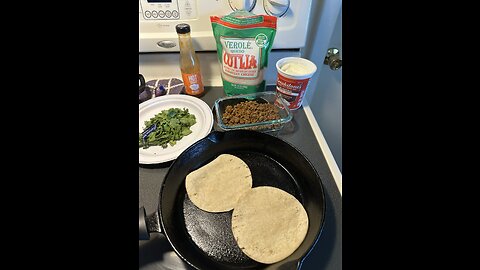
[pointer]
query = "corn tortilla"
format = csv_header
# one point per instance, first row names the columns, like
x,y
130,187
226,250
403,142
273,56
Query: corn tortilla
x,y
269,224
217,186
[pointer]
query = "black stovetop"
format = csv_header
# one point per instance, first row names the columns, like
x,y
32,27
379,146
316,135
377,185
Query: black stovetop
x,y
156,253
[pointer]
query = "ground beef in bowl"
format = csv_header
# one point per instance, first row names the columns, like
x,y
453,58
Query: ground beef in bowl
x,y
248,112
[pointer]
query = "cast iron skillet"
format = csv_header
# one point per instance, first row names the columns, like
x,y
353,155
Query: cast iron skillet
x,y
205,240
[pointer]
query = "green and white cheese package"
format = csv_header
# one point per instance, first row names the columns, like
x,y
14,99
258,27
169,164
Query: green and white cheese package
x,y
244,42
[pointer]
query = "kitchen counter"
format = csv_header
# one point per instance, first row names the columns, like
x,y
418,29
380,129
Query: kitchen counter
x,y
156,253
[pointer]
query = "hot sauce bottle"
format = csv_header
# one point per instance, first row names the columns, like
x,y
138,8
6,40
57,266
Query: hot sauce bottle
x,y
189,64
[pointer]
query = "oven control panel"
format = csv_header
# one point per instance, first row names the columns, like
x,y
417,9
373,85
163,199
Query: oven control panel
x,y
160,10
158,18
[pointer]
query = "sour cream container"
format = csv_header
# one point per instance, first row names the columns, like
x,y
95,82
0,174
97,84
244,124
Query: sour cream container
x,y
294,74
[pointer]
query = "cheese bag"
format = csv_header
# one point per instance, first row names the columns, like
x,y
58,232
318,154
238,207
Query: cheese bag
x,y
244,41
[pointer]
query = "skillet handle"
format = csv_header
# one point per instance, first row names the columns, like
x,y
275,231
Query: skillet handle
x,y
146,225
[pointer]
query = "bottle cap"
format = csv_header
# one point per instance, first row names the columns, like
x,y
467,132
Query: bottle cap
x,y
182,28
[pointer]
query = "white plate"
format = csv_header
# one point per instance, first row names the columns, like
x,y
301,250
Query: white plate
x,y
195,106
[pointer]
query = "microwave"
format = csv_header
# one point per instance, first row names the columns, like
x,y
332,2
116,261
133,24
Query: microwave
x,y
158,18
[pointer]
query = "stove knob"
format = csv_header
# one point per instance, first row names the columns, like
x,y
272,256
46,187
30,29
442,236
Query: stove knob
x,y
247,5
276,7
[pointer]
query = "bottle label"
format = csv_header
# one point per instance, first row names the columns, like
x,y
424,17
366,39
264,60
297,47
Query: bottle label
x,y
193,83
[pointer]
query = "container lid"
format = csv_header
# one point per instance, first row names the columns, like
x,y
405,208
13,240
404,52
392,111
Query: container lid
x,y
307,66
182,28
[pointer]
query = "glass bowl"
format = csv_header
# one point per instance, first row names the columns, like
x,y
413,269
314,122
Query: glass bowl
x,y
260,97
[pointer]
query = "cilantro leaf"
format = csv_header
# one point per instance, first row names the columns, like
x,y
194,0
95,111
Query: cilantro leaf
x,y
172,125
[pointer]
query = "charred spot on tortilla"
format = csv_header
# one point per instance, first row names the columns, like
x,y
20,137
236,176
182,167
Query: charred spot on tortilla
x,y
217,186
